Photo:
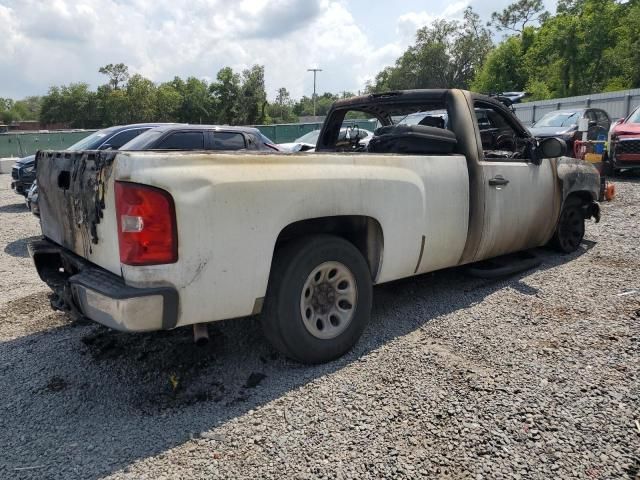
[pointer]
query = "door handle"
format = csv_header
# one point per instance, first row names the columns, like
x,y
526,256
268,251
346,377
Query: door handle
x,y
498,180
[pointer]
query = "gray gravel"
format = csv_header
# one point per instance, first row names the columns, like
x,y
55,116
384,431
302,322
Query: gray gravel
x,y
534,376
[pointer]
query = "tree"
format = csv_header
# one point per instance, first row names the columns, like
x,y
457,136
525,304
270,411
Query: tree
x,y
504,68
197,105
518,15
254,96
118,74
304,107
167,102
74,104
28,108
446,54
225,93
113,108
283,106
141,99
576,51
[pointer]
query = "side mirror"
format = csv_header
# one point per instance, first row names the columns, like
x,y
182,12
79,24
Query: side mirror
x,y
548,148
552,148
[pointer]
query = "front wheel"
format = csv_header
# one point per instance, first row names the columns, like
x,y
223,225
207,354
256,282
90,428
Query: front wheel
x,y
319,299
570,230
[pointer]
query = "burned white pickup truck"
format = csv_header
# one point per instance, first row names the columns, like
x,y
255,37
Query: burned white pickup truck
x,y
152,240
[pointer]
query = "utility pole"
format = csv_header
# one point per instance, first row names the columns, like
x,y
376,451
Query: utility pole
x,y
315,71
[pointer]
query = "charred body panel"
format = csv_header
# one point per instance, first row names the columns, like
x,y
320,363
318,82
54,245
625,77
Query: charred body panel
x,y
74,195
577,176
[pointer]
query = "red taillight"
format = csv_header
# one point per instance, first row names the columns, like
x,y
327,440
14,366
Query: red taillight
x,y
147,233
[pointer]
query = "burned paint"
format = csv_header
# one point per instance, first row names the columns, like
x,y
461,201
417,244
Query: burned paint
x,y
72,196
578,176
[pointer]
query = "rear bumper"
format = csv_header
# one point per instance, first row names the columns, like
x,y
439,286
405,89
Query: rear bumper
x,y
87,290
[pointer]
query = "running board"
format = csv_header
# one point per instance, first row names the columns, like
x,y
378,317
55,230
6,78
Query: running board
x,y
504,265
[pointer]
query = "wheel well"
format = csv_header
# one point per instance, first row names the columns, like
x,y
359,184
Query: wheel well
x,y
583,196
365,233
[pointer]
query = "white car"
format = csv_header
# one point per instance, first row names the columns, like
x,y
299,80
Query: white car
x,y
307,142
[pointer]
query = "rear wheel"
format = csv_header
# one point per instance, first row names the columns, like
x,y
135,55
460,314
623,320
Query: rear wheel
x,y
570,230
319,299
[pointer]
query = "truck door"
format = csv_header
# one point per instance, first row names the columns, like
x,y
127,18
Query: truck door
x,y
519,196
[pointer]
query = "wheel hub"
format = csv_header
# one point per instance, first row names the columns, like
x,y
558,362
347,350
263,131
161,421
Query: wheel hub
x,y
324,297
328,300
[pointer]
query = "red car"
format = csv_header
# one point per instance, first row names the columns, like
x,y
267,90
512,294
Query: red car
x,y
625,143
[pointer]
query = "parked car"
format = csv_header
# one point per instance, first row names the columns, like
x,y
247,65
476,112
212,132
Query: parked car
x,y
32,199
307,142
201,137
142,241
624,147
564,124
23,172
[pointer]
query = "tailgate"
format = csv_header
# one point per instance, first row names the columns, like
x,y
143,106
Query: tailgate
x,y
77,209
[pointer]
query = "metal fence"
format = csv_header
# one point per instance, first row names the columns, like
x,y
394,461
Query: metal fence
x,y
28,143
616,104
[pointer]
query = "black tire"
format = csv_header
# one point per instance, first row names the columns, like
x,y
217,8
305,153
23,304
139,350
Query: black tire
x,y
282,318
570,230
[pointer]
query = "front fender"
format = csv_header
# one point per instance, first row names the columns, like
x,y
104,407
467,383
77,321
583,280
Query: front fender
x,y
577,176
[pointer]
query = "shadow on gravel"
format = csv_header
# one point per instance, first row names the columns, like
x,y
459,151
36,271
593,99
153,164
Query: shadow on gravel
x,y
18,248
14,208
85,401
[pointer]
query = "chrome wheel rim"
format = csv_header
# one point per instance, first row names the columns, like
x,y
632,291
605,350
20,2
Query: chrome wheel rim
x,y
328,300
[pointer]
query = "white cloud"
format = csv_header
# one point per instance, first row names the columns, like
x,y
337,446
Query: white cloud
x,y
62,41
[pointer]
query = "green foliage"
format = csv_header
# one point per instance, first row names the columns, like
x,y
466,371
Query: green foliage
x,y
118,74
26,109
503,70
74,104
588,46
232,99
446,54
226,96
282,109
517,15
304,107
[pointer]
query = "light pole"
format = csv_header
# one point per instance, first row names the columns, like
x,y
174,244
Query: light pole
x,y
315,71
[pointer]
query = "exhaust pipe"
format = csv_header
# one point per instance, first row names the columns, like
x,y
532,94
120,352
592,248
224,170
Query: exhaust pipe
x,y
200,334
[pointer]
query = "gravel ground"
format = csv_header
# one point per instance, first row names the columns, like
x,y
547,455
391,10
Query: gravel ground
x,y
533,376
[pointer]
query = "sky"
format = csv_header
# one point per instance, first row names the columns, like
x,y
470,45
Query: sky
x,y
55,42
